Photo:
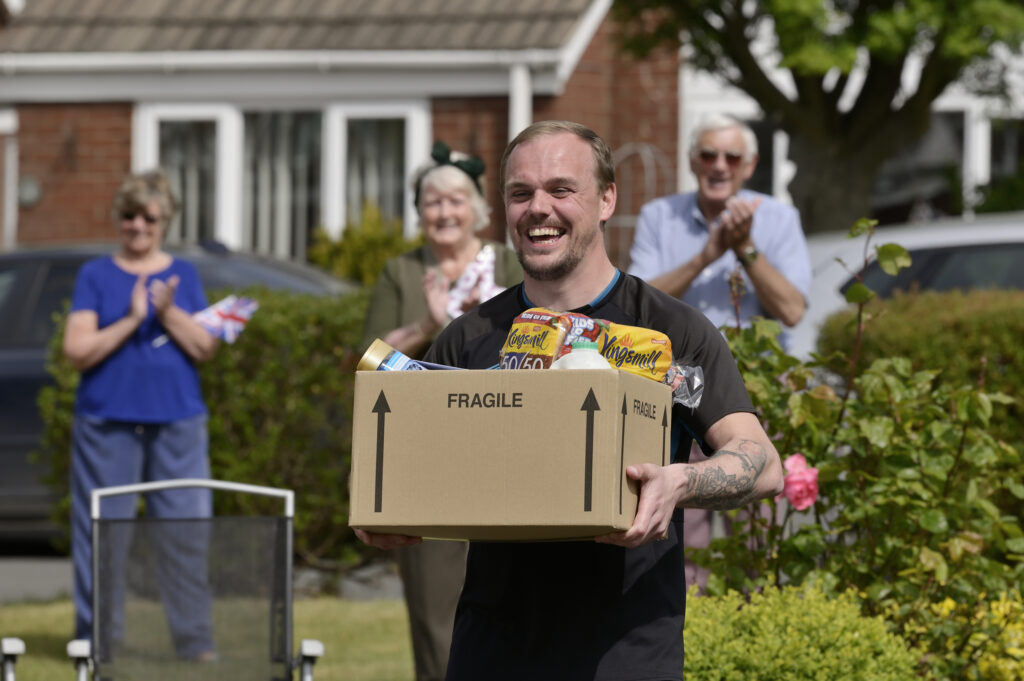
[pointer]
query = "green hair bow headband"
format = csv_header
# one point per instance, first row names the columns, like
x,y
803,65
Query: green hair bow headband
x,y
442,155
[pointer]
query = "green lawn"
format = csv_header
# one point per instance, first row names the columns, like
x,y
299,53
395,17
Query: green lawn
x,y
363,640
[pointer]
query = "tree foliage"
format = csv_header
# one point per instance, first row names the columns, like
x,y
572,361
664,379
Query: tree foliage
x,y
843,96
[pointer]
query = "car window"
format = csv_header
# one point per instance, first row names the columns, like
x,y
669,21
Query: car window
x,y
945,269
15,282
988,266
238,273
907,279
56,289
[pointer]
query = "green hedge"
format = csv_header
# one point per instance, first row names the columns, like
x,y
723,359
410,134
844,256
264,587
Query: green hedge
x,y
280,401
790,634
970,337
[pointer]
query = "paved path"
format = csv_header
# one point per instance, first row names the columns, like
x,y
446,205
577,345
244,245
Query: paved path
x,y
46,578
34,579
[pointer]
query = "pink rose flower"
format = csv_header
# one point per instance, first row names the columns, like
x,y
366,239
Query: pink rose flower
x,y
801,482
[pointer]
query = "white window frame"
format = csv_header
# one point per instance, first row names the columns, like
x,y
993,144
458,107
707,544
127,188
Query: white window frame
x,y
415,113
228,122
9,160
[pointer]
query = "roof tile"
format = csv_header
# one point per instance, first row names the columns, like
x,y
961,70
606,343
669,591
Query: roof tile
x,y
131,26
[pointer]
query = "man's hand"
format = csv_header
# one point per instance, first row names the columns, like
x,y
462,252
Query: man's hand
x,y
386,541
736,221
715,246
658,486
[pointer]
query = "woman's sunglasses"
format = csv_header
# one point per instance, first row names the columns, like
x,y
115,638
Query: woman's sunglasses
x,y
130,215
708,156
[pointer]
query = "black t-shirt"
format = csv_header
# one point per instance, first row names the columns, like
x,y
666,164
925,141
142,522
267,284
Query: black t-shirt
x,y
582,610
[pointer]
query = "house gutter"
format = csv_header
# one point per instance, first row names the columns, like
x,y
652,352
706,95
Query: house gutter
x,y
271,60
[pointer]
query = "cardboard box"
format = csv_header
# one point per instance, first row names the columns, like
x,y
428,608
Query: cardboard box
x,y
502,455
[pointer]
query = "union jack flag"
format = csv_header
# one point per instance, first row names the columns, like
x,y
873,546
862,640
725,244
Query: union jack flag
x,y
227,317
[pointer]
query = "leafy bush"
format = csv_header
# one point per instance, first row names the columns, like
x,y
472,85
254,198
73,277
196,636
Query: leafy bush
x,y
280,401
973,338
790,634
917,499
1005,194
995,635
363,249
1003,658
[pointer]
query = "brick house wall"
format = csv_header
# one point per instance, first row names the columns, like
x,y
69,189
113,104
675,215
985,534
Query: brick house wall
x,y
623,99
78,153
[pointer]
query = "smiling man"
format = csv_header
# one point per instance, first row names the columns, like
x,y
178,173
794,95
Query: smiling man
x,y
610,609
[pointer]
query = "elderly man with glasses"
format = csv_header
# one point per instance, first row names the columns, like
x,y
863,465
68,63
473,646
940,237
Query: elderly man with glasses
x,y
689,245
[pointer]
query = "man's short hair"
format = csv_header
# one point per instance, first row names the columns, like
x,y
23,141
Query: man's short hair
x,y
604,167
719,121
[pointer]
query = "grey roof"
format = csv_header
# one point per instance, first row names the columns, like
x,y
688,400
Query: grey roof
x,y
75,26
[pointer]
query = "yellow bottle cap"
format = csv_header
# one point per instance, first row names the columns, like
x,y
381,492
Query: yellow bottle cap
x,y
374,356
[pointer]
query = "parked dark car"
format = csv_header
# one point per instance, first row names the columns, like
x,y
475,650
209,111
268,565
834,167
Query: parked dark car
x,y
34,283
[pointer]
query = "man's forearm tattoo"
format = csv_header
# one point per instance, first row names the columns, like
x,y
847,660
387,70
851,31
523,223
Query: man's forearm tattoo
x,y
713,488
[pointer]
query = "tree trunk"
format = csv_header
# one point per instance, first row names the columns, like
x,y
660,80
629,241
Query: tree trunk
x,y
832,187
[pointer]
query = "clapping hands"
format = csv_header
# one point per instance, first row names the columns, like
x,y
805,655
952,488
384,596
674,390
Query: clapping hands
x,y
435,290
161,293
731,229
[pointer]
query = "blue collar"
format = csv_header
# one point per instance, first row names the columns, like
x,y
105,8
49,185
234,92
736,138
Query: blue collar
x,y
593,303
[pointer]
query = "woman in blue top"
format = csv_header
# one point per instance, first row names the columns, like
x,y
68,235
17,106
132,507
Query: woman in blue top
x,y
139,414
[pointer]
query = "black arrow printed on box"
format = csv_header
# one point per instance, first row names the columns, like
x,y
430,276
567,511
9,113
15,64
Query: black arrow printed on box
x,y
664,427
380,408
590,406
622,451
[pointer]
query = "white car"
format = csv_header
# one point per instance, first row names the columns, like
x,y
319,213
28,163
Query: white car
x,y
946,254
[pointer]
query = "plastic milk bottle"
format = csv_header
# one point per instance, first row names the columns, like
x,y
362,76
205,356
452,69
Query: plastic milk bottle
x,y
583,355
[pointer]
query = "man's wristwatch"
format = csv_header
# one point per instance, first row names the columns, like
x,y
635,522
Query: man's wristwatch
x,y
748,255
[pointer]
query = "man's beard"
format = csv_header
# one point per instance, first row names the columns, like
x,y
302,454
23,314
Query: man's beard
x,y
564,265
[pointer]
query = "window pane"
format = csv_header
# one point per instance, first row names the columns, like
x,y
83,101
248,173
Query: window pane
x,y
375,168
761,180
1007,147
188,155
1005,191
281,182
924,179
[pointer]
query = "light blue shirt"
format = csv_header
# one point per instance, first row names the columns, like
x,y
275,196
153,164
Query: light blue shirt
x,y
671,230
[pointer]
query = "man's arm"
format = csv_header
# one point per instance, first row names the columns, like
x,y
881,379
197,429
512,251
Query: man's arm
x,y
774,291
779,287
647,256
745,467
677,281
